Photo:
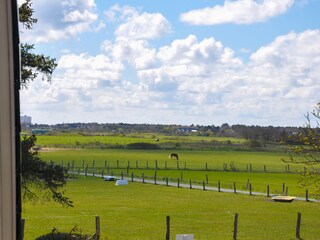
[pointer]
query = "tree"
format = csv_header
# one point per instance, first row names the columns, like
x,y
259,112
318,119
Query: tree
x,y
47,178
307,154
37,174
31,63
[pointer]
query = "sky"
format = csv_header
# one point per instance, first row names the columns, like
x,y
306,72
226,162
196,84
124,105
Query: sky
x,y
206,62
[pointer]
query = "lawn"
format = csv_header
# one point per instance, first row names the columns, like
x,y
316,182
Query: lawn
x,y
138,211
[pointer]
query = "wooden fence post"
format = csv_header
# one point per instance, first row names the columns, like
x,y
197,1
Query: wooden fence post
x,y
155,177
250,187
235,227
132,177
22,228
178,182
102,173
234,187
219,186
268,191
298,226
97,228
156,163
265,168
203,186
206,166
190,184
283,187
307,195
168,228
286,191
167,182
143,177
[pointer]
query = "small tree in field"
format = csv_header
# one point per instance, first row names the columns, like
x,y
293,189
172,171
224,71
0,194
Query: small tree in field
x,y
307,154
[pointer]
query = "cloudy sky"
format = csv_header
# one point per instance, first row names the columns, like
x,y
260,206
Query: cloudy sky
x,y
253,62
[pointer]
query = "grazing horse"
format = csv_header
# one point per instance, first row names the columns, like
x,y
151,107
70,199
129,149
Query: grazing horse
x,y
174,156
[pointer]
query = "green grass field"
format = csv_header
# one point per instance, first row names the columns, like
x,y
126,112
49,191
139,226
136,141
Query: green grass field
x,y
138,211
144,161
79,140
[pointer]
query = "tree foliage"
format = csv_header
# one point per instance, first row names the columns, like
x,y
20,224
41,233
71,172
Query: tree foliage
x,y
31,63
46,177
40,179
308,153
25,14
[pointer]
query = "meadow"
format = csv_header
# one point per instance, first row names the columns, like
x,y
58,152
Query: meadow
x,y
138,211
198,166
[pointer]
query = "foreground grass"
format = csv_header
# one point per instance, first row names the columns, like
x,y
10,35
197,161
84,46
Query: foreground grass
x,y
138,211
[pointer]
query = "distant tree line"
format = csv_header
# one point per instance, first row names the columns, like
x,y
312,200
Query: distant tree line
x,y
287,135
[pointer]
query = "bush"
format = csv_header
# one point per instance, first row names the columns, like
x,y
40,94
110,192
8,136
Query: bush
x,y
142,145
72,235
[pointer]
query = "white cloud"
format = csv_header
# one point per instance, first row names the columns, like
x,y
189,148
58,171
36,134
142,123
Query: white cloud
x,y
61,20
84,70
144,26
239,12
77,16
133,35
195,80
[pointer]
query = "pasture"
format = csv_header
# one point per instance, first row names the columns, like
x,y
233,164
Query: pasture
x,y
198,166
138,211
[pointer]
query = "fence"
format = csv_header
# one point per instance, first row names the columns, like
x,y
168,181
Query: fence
x,y
167,231
188,183
178,165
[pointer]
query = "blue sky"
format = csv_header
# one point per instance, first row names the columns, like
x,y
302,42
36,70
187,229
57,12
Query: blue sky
x,y
253,62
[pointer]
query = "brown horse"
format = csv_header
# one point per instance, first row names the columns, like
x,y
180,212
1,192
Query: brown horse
x,y
174,156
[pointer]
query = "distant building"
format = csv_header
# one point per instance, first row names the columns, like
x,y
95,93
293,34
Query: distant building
x,y
187,129
25,120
